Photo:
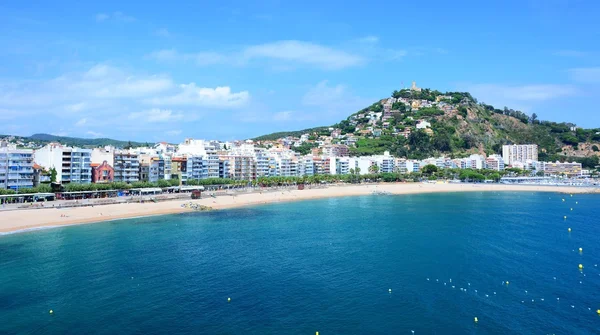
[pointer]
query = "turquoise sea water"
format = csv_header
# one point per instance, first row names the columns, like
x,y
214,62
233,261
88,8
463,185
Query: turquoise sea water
x,y
322,265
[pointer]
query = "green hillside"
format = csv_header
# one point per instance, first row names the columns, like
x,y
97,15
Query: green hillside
x,y
459,126
297,133
77,142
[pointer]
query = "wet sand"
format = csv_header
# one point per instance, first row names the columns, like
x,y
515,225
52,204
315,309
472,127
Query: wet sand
x,y
30,219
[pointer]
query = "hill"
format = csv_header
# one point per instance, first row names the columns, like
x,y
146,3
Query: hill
x,y
42,139
296,133
419,123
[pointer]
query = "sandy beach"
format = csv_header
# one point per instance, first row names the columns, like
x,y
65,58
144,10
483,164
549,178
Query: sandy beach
x,y
30,219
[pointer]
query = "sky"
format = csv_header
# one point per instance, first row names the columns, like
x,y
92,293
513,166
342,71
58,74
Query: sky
x,y
172,70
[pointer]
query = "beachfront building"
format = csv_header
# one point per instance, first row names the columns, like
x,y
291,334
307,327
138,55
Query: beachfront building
x,y
102,173
306,166
224,169
72,164
197,168
99,155
519,153
179,169
126,166
494,162
16,168
263,162
407,166
562,169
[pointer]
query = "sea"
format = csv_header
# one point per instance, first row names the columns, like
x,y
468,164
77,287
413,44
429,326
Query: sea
x,y
377,264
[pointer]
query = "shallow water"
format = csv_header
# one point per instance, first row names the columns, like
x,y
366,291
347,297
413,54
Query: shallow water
x,y
321,265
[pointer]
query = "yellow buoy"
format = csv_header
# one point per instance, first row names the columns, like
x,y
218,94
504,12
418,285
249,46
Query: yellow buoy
x,y
563,199
228,299
576,202
580,249
317,333
476,320
507,282
390,290
565,217
580,266
51,311
598,311
571,208
569,230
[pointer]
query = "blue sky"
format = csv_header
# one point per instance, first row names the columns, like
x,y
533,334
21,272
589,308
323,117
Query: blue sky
x,y
208,69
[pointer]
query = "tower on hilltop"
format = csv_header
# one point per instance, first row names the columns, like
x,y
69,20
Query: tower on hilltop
x,y
414,87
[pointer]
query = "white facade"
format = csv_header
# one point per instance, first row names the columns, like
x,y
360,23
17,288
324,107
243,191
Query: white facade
x,y
494,162
72,164
100,155
519,153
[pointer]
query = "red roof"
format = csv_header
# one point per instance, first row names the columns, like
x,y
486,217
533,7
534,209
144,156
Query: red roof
x,y
95,164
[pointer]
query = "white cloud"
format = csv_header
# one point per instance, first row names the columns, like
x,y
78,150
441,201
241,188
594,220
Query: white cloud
x,y
60,132
283,116
93,133
101,17
289,52
116,16
173,132
330,102
304,53
163,32
156,115
76,107
542,92
368,39
77,90
586,74
112,93
6,114
570,53
323,94
190,94
201,58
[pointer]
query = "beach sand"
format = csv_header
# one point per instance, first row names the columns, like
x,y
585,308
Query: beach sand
x,y
30,219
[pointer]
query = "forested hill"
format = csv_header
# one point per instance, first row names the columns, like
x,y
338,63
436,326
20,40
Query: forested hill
x,y
294,133
455,124
42,139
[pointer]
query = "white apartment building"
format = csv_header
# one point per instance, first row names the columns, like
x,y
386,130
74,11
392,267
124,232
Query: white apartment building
x,y
494,162
100,155
72,164
519,153
16,168
562,169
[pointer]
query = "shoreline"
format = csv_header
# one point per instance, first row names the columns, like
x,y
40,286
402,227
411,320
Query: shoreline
x,y
26,220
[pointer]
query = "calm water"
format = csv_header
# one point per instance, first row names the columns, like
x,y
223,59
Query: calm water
x,y
323,265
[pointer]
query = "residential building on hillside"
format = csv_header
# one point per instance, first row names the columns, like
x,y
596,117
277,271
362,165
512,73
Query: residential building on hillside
x,y
336,150
16,168
519,153
72,164
126,166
